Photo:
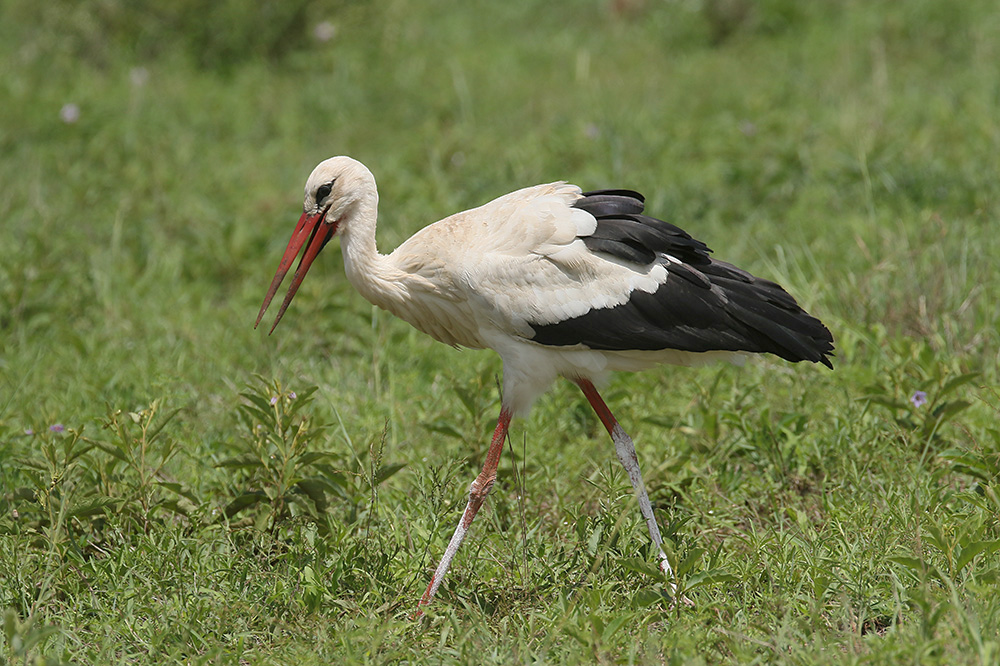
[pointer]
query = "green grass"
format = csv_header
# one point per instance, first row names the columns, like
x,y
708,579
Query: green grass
x,y
846,149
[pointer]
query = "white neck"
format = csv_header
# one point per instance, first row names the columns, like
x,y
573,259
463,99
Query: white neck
x,y
371,273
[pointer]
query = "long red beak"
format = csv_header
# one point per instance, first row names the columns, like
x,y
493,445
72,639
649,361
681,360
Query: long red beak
x,y
312,231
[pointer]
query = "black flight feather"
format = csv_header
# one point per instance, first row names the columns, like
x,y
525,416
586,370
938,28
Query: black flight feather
x,y
704,305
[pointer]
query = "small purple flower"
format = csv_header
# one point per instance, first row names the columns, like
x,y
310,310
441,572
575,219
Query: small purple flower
x,y
291,395
919,399
324,31
57,427
69,113
29,431
274,400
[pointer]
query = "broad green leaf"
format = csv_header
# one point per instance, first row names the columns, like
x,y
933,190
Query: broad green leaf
x,y
690,561
179,489
708,578
989,577
244,460
973,549
444,428
175,506
311,457
256,415
467,399
912,563
955,382
641,566
387,471
612,628
302,398
114,450
583,638
262,403
581,526
885,402
936,537
949,409
155,432
821,583
660,421
595,539
93,507
315,490
648,596
242,502
31,463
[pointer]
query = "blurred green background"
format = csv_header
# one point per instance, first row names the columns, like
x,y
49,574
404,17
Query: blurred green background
x,y
151,163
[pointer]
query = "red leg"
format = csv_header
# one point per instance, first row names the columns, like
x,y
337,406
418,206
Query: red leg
x,y
626,454
478,492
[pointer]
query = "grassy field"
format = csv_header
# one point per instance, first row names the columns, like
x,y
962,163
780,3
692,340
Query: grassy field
x,y
172,491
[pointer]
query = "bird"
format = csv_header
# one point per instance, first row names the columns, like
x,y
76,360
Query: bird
x,y
560,283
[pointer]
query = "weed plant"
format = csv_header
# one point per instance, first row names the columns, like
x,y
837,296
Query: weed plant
x,y
176,487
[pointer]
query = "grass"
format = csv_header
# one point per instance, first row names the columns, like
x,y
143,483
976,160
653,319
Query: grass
x,y
157,508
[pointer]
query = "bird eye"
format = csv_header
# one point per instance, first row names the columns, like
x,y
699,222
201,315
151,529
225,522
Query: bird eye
x,y
324,191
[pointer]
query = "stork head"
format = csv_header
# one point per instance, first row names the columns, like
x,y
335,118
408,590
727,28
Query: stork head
x,y
333,192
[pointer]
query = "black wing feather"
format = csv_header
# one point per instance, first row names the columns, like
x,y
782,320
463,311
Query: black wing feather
x,y
705,305
602,203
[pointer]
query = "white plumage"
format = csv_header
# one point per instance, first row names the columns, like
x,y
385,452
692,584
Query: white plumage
x,y
559,283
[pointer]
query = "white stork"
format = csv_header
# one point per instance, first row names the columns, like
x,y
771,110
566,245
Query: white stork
x,y
559,282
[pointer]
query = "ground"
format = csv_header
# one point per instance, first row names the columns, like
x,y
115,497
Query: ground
x,y
173,491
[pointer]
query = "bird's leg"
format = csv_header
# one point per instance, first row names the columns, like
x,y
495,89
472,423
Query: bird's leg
x,y
626,454
478,492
